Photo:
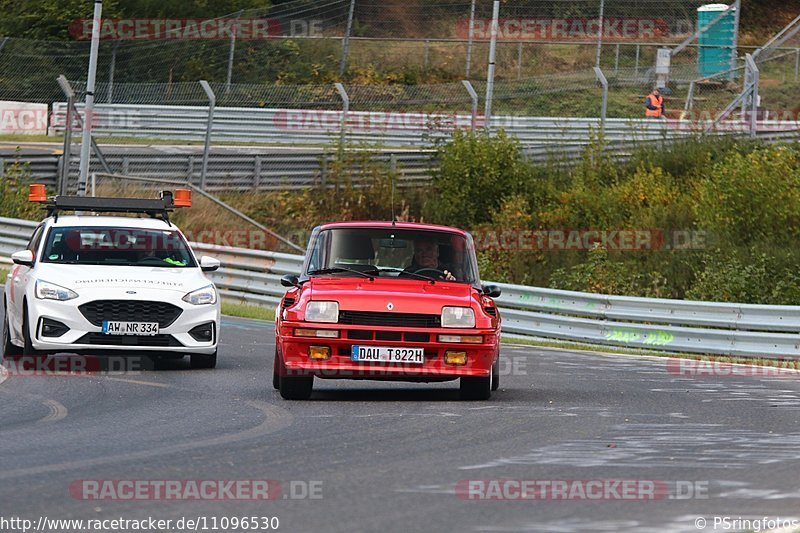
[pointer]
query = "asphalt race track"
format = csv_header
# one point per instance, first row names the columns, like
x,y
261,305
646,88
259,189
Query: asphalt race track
x,y
388,457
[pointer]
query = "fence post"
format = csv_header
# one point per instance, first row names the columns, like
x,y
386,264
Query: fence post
x,y
345,110
616,59
212,102
5,40
599,33
734,48
636,66
490,76
604,105
231,51
796,62
690,97
426,55
754,96
519,60
471,34
111,69
66,154
346,42
474,97
257,173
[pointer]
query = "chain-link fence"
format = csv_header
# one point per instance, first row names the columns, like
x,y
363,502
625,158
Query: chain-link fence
x,y
391,41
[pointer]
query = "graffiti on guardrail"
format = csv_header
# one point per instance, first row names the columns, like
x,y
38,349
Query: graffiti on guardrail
x,y
650,338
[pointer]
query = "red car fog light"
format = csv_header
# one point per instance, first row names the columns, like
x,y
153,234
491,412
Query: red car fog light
x,y
319,353
470,339
324,333
455,358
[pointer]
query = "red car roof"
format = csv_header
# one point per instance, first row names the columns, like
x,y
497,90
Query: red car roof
x,y
384,224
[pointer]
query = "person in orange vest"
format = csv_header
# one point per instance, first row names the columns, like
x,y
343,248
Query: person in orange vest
x,y
654,104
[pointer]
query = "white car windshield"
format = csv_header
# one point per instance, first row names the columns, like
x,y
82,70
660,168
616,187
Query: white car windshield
x,y
93,245
392,252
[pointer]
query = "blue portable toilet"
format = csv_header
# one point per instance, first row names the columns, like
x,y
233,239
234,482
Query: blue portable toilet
x,y
717,42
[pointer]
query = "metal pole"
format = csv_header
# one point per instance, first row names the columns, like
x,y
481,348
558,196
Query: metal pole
x,y
490,75
470,38
690,97
735,43
426,54
66,156
212,102
616,59
230,53
3,44
346,43
89,107
754,97
519,60
636,67
796,62
600,33
111,69
345,110
604,105
474,97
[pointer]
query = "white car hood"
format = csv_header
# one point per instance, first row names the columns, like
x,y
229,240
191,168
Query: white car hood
x,y
77,277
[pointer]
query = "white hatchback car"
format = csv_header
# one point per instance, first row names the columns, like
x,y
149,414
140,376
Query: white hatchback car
x,y
111,284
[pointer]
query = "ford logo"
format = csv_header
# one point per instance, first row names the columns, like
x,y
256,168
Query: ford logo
x,y
130,292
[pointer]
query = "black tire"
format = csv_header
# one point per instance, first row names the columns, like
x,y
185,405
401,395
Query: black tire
x,y
10,350
276,377
496,374
296,388
28,349
200,361
474,389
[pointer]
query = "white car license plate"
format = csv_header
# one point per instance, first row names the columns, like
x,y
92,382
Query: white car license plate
x,y
384,354
130,328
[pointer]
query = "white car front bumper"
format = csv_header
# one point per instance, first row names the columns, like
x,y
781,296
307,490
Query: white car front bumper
x,y
84,335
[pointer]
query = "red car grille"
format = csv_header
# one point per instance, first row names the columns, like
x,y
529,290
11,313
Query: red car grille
x,y
408,320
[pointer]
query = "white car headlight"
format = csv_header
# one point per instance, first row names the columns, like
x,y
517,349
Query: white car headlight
x,y
50,291
206,295
322,312
458,317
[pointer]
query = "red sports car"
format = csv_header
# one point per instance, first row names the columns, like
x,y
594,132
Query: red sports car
x,y
388,301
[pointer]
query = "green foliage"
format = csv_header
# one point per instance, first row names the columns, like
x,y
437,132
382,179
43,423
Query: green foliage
x,y
600,274
14,193
751,277
753,198
475,174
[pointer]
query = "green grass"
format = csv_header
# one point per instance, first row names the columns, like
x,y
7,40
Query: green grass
x,y
248,311
3,275
597,348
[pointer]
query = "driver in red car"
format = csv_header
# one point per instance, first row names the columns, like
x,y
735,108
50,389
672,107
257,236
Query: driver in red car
x,y
426,257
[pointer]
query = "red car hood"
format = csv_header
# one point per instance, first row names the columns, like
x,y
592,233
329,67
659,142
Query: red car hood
x,y
405,296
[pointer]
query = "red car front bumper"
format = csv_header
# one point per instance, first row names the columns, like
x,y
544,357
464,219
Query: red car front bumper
x,y
293,352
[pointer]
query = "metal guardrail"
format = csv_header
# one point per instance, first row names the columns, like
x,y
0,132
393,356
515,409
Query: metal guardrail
x,y
232,171
745,330
313,126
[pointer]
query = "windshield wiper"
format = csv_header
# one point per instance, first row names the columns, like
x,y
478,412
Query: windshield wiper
x,y
335,270
414,274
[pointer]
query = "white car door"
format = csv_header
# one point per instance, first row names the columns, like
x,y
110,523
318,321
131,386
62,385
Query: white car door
x,y
20,277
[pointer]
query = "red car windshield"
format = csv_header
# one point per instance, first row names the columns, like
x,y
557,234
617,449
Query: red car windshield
x,y
392,252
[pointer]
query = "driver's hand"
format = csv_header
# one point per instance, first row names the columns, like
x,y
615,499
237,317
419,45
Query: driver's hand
x,y
448,276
